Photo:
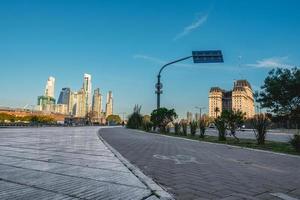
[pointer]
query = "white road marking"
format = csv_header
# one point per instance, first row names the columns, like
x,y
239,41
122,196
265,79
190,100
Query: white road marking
x,y
283,196
178,159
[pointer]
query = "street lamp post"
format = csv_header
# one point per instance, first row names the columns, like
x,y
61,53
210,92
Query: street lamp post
x,y
200,109
214,56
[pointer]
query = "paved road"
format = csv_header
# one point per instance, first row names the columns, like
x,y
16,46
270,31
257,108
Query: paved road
x,y
198,170
272,135
63,163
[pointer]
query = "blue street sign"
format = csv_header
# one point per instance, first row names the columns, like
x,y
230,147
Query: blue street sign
x,y
214,56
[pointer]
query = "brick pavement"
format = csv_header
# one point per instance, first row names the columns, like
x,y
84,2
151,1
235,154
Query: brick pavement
x,y
197,170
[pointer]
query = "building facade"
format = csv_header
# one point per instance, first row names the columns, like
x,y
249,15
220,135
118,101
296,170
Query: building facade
x,y
61,109
239,99
109,104
49,90
189,117
97,103
87,87
47,101
64,96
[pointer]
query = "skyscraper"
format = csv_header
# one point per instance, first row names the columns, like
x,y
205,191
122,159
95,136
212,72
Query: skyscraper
x,y
64,96
81,104
47,101
97,103
87,87
189,117
49,90
109,104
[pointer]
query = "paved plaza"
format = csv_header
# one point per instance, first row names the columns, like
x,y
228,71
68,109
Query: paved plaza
x,y
63,163
199,170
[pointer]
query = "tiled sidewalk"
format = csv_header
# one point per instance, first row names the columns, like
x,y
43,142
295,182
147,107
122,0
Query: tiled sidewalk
x,y
63,163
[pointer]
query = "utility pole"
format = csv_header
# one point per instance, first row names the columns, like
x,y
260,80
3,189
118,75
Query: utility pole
x,y
200,109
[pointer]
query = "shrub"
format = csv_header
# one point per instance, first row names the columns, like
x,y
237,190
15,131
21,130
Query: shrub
x,y
147,126
135,120
177,128
203,123
260,123
193,127
162,117
295,142
221,127
184,128
233,119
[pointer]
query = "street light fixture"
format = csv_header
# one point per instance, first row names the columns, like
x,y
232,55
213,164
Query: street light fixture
x,y
200,108
214,56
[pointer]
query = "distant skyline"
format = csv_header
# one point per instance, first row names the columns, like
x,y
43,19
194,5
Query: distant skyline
x,y
123,44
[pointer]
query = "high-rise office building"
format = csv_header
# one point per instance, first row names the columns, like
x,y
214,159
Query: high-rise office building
x,y
81,109
239,99
189,117
87,87
47,101
61,109
109,104
72,103
97,103
49,90
64,96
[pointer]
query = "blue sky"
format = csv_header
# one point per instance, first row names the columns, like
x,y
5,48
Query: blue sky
x,y
122,44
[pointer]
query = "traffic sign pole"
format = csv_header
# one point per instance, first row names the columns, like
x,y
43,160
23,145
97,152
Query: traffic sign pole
x,y
214,56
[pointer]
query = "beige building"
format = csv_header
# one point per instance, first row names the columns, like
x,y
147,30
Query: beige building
x,y
61,109
97,103
109,104
77,104
240,98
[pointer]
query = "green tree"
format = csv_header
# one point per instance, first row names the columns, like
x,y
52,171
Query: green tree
x,y
162,117
217,110
220,124
135,120
280,93
203,123
234,120
260,123
193,127
90,117
116,119
147,124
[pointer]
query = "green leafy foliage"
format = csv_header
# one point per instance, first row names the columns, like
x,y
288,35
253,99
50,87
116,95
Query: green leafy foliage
x,y
184,126
115,119
193,127
233,120
177,127
281,93
135,120
203,123
220,124
260,123
162,117
147,124
295,142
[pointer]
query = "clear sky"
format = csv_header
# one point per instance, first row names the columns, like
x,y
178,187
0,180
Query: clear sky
x,y
122,44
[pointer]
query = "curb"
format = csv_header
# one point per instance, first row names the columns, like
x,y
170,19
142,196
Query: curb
x,y
228,145
154,187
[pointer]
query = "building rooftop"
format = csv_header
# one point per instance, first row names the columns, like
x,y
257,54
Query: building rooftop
x,y
242,83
